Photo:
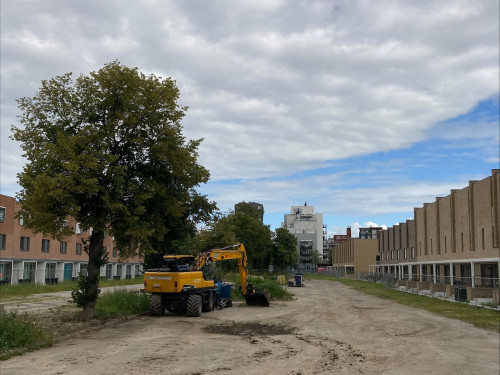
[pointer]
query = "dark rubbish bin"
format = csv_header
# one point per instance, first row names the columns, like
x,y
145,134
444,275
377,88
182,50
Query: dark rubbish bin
x,y
460,294
298,279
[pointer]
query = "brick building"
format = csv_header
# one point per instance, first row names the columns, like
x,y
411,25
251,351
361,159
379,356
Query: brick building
x,y
451,241
34,257
354,255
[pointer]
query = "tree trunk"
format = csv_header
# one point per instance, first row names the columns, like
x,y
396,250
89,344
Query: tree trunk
x,y
97,258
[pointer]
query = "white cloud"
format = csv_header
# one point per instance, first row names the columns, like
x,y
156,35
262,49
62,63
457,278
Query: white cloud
x,y
276,89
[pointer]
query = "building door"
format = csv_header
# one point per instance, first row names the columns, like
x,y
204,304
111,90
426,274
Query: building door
x,y
50,271
109,271
465,274
489,274
29,271
5,273
68,271
128,271
447,273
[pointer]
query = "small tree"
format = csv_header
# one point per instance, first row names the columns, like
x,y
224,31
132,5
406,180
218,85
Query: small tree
x,y
108,151
285,248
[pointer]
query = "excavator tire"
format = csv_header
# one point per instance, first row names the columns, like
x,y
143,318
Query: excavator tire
x,y
194,305
259,298
156,307
209,305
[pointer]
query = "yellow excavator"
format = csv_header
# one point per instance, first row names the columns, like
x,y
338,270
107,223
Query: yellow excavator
x,y
180,286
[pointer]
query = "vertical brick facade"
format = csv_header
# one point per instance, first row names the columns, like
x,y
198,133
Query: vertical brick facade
x,y
67,257
456,236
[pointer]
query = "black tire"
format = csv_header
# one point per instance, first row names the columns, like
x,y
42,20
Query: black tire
x,y
156,307
209,305
194,305
212,301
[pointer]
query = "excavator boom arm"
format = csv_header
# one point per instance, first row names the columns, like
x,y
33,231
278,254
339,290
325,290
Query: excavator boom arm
x,y
227,253
251,294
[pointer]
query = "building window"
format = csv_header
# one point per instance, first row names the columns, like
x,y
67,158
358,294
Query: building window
x,y
45,246
462,240
2,241
63,247
482,238
405,254
413,252
382,256
24,244
398,253
105,250
84,269
392,254
78,249
445,245
115,252
2,214
21,220
78,229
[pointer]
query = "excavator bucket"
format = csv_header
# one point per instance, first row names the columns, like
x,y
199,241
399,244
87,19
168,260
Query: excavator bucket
x,y
258,298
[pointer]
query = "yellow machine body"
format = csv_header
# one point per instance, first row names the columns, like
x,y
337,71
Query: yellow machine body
x,y
174,282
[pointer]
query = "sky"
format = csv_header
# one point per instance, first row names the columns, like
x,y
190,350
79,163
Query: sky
x,y
362,109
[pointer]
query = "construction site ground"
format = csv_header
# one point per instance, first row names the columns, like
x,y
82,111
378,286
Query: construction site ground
x,y
327,329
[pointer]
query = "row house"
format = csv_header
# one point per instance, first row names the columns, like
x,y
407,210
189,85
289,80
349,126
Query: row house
x,y
26,256
451,242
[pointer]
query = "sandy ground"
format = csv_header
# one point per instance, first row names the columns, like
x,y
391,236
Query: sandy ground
x,y
328,329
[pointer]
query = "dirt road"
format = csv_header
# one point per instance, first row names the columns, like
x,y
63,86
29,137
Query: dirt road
x,y
328,329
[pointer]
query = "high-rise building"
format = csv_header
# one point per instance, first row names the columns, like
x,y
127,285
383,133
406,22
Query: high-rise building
x,y
307,226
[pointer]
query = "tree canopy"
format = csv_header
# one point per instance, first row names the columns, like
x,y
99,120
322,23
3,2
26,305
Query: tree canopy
x,y
243,226
108,150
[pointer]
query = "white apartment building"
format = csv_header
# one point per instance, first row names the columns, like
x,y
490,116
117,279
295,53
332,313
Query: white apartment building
x,y
307,226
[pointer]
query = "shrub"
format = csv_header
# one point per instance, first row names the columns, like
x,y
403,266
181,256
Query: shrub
x,y
20,333
121,302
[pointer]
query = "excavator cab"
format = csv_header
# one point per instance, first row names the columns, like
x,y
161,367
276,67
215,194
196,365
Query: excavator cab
x,y
177,263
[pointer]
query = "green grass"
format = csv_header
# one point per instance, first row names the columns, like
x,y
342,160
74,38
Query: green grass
x,y
26,289
479,317
276,291
20,333
121,303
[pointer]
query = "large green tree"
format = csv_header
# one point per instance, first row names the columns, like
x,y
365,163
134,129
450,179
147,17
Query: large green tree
x,y
108,150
